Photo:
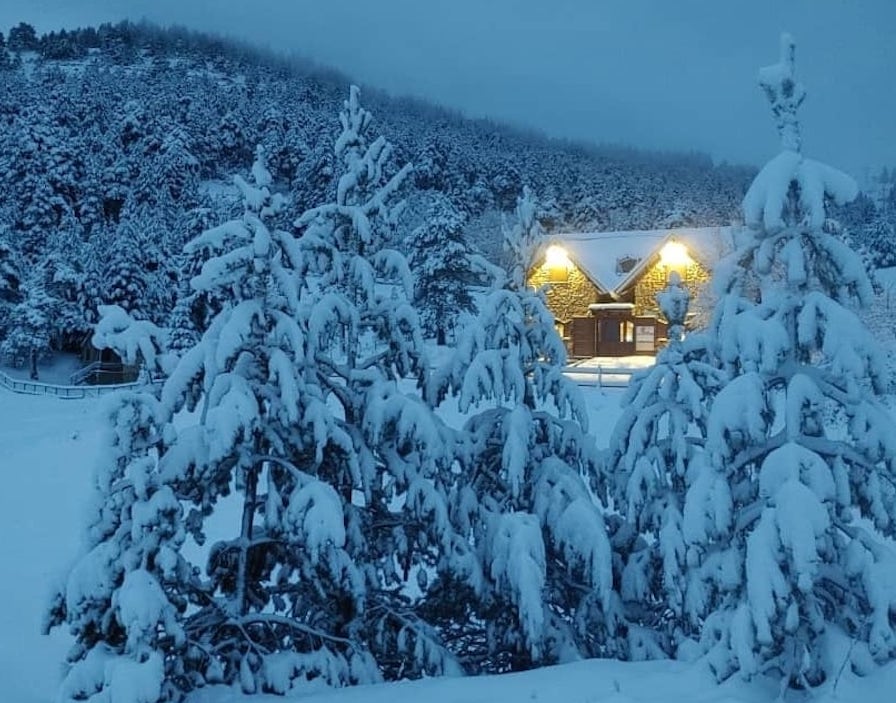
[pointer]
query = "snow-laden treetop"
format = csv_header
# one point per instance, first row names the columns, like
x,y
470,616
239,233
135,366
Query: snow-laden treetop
x,y
767,204
785,94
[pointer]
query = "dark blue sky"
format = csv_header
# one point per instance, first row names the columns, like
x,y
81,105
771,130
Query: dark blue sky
x,y
656,73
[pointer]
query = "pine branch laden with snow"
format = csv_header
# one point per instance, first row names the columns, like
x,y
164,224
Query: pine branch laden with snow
x,y
655,453
791,511
137,342
544,555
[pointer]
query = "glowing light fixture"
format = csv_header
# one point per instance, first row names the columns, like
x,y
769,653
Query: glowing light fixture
x,y
674,255
555,257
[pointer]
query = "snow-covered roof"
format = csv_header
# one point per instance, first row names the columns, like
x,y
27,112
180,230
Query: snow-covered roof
x,y
614,260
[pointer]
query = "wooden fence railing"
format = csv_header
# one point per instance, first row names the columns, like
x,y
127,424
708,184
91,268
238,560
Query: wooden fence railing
x,y
601,376
19,385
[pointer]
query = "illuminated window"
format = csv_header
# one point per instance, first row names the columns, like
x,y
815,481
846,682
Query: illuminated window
x,y
627,331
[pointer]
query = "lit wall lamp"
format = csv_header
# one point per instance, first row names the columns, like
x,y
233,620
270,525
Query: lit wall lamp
x,y
558,263
674,256
556,256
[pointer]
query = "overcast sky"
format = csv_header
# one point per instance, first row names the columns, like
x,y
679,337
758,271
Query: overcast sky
x,y
666,74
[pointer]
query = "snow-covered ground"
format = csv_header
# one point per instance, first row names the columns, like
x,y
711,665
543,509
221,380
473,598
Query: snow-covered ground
x,y
48,447
594,681
639,361
608,371
56,369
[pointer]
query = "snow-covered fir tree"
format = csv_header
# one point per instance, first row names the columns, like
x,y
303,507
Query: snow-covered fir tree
x,y
787,523
10,277
233,416
123,598
30,325
655,451
275,607
10,282
125,273
386,454
440,261
520,493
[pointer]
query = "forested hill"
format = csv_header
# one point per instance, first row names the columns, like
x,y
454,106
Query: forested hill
x,y
121,139
103,94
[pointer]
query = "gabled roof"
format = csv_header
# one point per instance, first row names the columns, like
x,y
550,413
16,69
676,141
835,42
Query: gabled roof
x,y
598,254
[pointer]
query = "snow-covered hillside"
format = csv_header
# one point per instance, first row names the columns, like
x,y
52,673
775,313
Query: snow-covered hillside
x,y
48,449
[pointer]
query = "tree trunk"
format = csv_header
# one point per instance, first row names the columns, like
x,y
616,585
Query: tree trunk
x,y
32,358
246,539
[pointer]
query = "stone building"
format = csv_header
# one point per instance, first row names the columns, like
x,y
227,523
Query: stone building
x,y
602,286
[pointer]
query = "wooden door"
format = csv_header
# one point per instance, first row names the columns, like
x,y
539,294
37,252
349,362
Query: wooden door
x,y
615,336
584,337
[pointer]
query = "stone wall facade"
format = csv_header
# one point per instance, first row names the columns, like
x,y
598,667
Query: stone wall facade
x,y
694,275
565,298
568,294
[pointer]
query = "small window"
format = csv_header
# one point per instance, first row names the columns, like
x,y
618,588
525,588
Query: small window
x,y
625,264
627,331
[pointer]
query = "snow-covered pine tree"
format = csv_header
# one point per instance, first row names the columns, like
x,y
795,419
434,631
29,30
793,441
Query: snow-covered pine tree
x,y
655,451
234,416
386,454
10,282
277,607
10,276
30,326
123,598
126,277
64,278
787,524
521,493
5,58
441,264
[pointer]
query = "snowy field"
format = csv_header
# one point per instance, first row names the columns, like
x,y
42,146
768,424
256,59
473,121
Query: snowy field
x,y
48,447
57,369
